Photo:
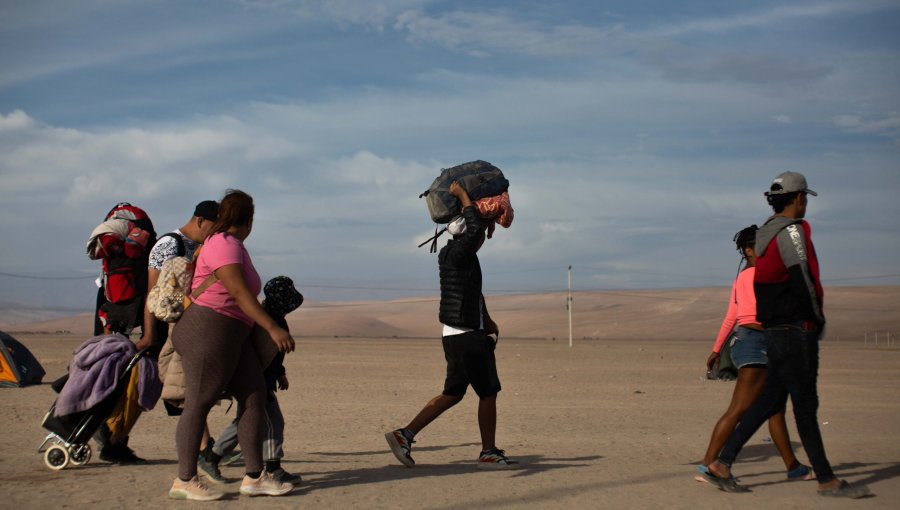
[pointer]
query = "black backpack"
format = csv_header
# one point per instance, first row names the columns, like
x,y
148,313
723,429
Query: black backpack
x,y
179,243
479,178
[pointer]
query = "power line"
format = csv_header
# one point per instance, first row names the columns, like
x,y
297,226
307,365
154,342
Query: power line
x,y
37,277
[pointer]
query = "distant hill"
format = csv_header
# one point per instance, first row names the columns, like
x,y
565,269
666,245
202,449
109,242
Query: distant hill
x,y
647,314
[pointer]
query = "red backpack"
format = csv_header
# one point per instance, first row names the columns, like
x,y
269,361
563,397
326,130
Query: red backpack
x,y
123,242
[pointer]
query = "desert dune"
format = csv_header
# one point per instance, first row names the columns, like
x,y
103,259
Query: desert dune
x,y
618,420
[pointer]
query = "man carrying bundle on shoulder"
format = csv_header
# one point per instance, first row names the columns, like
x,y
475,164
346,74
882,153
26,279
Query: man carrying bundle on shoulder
x,y
468,346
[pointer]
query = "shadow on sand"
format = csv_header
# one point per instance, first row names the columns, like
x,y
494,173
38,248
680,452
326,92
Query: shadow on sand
x,y
530,464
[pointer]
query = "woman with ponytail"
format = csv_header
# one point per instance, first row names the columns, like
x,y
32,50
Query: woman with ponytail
x,y
748,354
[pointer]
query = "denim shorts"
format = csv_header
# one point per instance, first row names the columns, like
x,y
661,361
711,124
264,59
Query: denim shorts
x,y
749,348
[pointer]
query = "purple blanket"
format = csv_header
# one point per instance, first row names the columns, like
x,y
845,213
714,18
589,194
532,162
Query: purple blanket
x,y
94,370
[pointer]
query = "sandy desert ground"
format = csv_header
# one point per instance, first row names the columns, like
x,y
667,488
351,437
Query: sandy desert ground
x,y
618,420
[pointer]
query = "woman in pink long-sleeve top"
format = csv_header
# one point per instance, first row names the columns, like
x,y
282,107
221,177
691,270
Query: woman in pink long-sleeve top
x,y
748,354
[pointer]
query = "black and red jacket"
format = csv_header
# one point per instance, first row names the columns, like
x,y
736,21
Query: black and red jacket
x,y
786,283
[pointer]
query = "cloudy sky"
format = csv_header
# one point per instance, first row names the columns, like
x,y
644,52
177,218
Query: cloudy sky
x,y
637,136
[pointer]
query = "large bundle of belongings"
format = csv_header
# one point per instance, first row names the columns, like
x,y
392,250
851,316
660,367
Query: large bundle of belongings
x,y
486,186
108,384
18,367
123,242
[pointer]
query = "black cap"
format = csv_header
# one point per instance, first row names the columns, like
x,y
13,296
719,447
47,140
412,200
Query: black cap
x,y
208,210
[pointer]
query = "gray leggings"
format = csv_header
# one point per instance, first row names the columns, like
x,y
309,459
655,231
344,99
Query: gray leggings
x,y
217,355
273,446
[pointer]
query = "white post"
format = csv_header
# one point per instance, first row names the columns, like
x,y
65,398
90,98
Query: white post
x,y
569,306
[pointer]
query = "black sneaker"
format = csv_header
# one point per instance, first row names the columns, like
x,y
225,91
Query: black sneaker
x,y
283,476
234,458
210,470
120,454
401,447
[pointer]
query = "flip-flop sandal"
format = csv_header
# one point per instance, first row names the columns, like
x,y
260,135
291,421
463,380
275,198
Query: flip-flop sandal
x,y
701,469
845,490
723,484
801,472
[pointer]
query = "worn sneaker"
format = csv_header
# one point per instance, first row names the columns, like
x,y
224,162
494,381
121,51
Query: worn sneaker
x,y
265,485
210,470
283,476
193,489
120,454
401,446
496,458
235,457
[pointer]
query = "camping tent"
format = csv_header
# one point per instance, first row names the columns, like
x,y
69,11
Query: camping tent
x,y
18,367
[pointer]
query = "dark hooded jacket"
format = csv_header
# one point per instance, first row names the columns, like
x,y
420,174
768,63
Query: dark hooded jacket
x,y
787,283
460,273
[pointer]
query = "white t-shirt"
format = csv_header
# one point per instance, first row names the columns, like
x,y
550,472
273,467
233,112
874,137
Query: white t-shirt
x,y
451,330
167,247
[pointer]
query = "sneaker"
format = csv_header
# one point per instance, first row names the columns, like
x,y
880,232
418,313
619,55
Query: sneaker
x,y
210,470
231,459
496,458
283,476
120,454
194,490
401,446
265,485
845,490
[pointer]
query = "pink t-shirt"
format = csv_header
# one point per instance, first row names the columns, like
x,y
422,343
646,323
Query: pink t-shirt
x,y
741,306
222,249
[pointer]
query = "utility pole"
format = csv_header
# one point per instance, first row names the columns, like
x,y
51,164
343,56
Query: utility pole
x,y
569,306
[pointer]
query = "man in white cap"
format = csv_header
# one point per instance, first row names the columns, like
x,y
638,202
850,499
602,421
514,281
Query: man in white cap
x,y
789,307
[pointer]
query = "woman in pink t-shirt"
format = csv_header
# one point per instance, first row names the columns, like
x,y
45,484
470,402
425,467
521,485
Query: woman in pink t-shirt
x,y
213,339
748,354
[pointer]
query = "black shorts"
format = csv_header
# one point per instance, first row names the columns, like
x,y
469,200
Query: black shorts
x,y
470,360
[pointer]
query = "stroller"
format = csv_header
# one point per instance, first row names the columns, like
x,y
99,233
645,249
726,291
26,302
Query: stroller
x,y
69,434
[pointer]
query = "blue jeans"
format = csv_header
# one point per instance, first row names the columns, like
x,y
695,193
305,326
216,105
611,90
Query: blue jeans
x,y
792,370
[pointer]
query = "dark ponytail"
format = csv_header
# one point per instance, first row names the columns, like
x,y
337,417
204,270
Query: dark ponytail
x,y
746,238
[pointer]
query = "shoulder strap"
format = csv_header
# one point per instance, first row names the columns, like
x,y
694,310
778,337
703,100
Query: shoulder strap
x,y
211,279
433,239
179,243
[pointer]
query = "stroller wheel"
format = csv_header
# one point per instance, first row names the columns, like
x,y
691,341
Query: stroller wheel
x,y
80,454
56,457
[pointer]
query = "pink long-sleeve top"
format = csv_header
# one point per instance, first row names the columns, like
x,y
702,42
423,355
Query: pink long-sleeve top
x,y
741,306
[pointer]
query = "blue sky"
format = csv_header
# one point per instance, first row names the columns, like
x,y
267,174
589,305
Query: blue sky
x,y
637,136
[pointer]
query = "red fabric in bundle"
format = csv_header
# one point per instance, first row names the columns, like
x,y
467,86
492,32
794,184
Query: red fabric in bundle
x,y
497,207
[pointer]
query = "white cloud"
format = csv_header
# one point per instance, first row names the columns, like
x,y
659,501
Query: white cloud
x,y
484,32
782,119
15,121
776,15
888,126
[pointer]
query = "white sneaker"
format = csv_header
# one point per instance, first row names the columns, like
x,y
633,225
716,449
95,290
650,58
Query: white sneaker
x,y
193,489
401,447
265,485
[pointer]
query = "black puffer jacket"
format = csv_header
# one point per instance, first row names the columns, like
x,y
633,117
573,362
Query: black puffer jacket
x,y
460,274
